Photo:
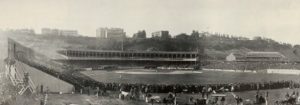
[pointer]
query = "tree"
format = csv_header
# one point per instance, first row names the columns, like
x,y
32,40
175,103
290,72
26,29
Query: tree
x,y
140,34
182,36
195,34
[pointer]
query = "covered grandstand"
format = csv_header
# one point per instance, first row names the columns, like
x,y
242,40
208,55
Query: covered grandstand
x,y
88,58
265,57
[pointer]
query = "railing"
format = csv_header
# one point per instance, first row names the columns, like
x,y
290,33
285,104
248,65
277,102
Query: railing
x,y
18,81
30,82
131,58
12,80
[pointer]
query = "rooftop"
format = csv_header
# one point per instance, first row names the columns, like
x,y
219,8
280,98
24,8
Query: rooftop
x,y
129,51
265,54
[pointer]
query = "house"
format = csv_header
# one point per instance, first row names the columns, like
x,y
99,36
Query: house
x,y
235,57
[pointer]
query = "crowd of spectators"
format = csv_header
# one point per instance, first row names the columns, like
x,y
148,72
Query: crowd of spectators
x,y
290,99
204,89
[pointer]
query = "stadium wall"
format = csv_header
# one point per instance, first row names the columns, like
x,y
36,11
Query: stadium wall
x,y
40,78
16,50
283,71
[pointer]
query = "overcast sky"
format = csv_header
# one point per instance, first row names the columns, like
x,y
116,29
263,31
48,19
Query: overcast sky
x,y
277,19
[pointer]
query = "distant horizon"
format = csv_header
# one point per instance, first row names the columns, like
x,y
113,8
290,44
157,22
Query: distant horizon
x,y
148,34
275,19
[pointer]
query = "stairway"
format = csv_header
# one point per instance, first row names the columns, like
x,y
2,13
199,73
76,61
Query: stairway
x,y
17,76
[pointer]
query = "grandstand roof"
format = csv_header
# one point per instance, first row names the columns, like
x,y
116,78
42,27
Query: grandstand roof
x,y
265,54
238,55
129,51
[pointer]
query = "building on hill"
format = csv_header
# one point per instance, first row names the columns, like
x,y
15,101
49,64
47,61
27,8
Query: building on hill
x,y
235,57
69,33
265,57
48,31
110,33
21,31
161,35
140,35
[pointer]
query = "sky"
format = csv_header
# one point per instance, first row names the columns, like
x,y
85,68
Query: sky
x,y
276,19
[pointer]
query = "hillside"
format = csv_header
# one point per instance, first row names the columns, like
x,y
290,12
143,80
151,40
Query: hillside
x,y
217,46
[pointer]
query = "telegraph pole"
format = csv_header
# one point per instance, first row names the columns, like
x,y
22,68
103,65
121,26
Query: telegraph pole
x,y
201,50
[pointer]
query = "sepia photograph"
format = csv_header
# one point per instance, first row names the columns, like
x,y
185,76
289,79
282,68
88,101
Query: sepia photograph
x,y
149,52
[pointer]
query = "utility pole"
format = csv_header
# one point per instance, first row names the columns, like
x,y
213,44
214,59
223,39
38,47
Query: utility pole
x,y
122,44
200,50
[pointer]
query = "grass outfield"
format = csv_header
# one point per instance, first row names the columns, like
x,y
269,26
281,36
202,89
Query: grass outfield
x,y
206,77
